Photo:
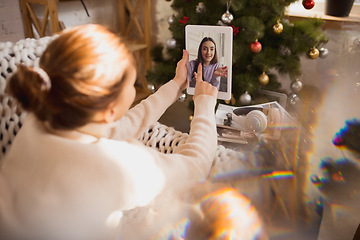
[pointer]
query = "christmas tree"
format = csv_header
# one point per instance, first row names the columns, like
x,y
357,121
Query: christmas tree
x,y
263,40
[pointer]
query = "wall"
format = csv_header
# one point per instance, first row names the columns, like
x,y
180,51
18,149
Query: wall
x,y
11,27
71,13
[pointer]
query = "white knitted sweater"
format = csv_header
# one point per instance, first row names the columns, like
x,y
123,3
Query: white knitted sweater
x,y
57,184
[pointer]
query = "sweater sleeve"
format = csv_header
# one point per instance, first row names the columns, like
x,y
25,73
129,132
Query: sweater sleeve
x,y
192,80
147,112
191,162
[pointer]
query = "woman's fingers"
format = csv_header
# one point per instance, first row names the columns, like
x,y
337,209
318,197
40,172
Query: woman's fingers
x,y
221,71
203,87
199,73
181,71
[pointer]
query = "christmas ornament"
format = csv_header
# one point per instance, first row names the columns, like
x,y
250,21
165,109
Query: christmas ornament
x,y
323,52
151,87
171,19
263,79
184,20
200,8
232,100
220,23
170,43
182,98
278,27
296,86
191,118
284,51
245,98
235,30
308,4
313,53
227,17
293,99
255,47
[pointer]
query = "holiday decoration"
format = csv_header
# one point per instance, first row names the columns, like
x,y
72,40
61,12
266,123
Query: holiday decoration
x,y
314,53
171,19
296,86
254,19
308,4
235,30
245,98
191,118
278,27
170,43
200,8
284,51
220,23
232,100
263,79
293,99
182,98
184,20
255,47
323,52
151,87
227,17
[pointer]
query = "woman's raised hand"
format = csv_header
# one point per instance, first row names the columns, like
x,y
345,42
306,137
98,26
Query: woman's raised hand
x,y
221,71
181,71
203,87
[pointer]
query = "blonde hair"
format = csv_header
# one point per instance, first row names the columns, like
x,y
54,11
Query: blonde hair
x,y
86,65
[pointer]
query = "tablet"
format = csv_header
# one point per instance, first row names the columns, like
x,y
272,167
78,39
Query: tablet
x,y
212,47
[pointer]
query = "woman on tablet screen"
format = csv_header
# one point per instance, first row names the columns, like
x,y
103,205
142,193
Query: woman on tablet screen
x,y
212,69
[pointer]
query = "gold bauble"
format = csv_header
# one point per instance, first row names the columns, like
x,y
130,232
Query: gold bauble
x,y
232,100
191,118
278,28
314,53
263,79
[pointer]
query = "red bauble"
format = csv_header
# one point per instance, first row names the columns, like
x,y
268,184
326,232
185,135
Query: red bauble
x,y
308,4
255,47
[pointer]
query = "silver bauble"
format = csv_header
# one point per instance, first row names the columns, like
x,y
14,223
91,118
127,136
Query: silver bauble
x,y
296,86
245,98
182,98
284,51
323,52
293,99
171,19
151,87
170,43
200,8
227,17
